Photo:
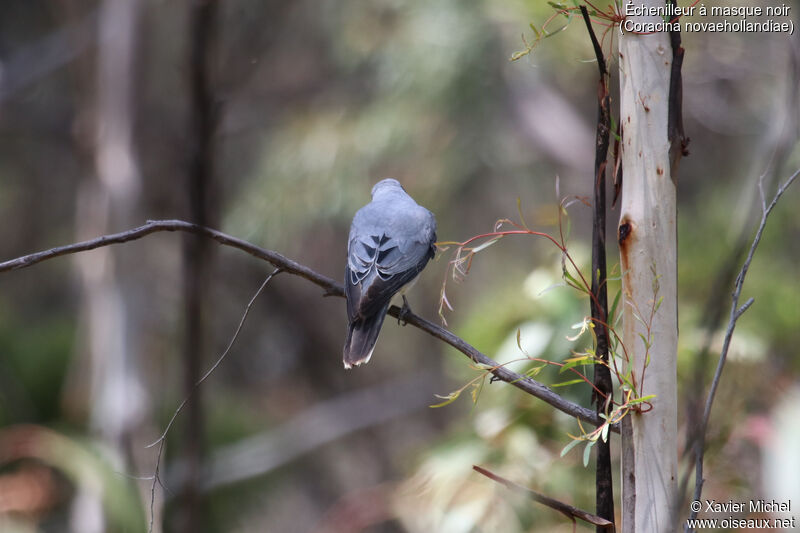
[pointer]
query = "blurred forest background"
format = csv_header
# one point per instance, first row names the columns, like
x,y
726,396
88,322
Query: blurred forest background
x,y
271,120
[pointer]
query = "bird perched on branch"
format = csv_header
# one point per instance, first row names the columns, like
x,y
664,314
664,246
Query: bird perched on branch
x,y
391,240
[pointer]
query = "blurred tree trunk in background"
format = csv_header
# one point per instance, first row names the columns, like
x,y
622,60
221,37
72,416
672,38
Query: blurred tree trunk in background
x,y
197,255
648,250
106,202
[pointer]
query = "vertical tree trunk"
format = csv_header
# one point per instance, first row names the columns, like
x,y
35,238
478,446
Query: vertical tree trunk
x,y
604,486
648,248
197,255
116,394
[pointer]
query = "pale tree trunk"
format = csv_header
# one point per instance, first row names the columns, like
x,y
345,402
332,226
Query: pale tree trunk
x,y
116,395
648,248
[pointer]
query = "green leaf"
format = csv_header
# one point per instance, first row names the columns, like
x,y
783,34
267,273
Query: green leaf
x,y
569,446
627,380
565,383
519,207
476,391
534,371
577,361
604,433
613,310
450,398
642,399
569,278
587,452
645,341
519,55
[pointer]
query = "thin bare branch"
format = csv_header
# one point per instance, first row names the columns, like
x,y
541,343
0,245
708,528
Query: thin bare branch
x,y
571,512
163,438
331,287
745,306
153,226
735,313
219,360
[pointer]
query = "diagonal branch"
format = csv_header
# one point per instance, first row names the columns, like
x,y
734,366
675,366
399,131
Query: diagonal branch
x,y
571,512
735,313
332,288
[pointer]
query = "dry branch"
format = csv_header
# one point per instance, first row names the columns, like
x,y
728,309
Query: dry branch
x,y
735,313
331,287
571,512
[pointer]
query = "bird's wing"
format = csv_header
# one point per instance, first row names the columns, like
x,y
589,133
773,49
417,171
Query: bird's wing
x,y
388,248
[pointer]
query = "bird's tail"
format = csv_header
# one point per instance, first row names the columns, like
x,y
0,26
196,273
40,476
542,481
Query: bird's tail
x,y
361,338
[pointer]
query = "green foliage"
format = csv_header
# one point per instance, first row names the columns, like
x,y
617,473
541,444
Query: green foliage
x,y
35,364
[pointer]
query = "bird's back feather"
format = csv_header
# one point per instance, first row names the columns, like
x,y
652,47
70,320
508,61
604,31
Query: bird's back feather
x,y
391,241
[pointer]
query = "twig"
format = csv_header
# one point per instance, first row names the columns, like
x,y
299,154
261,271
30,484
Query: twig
x,y
598,50
735,313
163,438
331,287
153,226
568,510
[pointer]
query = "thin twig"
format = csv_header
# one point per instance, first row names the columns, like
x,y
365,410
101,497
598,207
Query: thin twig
x,y
331,287
568,510
735,313
163,438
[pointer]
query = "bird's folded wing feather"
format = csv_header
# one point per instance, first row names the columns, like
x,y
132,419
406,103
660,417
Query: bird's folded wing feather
x,y
385,252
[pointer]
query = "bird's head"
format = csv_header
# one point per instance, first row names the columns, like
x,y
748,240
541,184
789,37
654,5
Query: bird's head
x,y
387,185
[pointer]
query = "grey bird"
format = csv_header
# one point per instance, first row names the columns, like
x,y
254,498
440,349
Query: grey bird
x,y
391,240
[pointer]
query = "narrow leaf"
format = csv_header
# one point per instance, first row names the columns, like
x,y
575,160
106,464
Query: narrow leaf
x,y
569,446
450,398
565,383
587,452
612,313
642,399
485,245
519,200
